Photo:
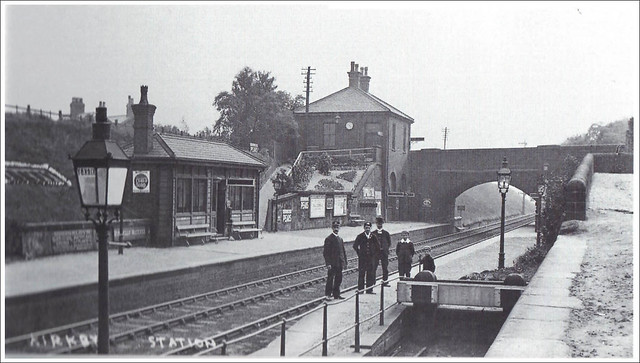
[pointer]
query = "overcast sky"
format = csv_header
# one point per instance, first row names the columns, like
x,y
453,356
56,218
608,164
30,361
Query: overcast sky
x,y
493,74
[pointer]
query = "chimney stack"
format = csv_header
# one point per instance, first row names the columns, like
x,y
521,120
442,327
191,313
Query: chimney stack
x,y
143,124
101,129
365,79
354,76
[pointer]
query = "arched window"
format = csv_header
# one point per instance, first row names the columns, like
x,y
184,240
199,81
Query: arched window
x,y
403,183
392,181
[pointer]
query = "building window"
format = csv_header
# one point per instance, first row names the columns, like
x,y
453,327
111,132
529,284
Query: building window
x,y
371,137
200,195
392,182
329,134
403,183
393,137
214,196
183,195
404,138
241,194
247,198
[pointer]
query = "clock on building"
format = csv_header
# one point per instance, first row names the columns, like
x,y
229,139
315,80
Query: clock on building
x,y
349,125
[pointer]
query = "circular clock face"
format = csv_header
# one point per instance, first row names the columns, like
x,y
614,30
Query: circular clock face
x,y
349,125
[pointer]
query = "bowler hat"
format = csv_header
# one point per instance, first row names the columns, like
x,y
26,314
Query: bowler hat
x,y
367,224
379,219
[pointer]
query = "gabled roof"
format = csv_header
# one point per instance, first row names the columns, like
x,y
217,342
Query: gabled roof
x,y
351,99
187,148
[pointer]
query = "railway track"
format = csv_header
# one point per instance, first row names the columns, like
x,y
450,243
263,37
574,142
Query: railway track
x,y
201,323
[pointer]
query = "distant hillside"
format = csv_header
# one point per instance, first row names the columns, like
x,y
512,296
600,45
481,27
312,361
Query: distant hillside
x,y
611,133
38,141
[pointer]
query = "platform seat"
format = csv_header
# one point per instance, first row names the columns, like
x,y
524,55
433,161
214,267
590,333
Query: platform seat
x,y
199,231
240,228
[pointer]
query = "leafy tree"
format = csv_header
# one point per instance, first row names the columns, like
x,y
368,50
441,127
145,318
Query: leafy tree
x,y
611,133
255,112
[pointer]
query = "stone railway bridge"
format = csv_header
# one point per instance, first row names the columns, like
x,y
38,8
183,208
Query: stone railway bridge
x,y
442,175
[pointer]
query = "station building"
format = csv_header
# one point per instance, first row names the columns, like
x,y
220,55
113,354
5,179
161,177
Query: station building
x,y
354,121
184,181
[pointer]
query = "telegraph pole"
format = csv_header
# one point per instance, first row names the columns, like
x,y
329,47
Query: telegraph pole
x,y
307,82
444,137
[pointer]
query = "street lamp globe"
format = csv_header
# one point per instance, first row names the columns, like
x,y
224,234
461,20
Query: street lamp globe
x,y
101,167
504,176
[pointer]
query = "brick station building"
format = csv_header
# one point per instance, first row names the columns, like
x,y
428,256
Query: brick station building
x,y
179,180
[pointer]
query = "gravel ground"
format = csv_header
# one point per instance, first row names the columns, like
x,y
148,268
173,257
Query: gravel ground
x,y
604,327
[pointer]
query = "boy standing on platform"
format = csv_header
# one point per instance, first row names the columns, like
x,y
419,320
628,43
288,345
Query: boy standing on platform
x,y
335,258
405,251
427,261
384,238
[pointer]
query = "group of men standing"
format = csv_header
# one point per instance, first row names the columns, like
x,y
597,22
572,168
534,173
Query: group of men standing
x,y
372,248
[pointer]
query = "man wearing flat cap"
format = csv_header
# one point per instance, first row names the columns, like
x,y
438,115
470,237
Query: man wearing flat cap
x,y
335,258
368,250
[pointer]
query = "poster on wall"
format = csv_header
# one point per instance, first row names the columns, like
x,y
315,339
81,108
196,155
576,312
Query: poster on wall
x,y
286,215
340,205
140,181
378,208
368,193
316,206
329,202
304,202
378,195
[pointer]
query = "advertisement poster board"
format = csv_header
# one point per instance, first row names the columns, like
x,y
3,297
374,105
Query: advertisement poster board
x,y
286,215
141,181
340,205
316,206
329,202
304,202
378,195
368,193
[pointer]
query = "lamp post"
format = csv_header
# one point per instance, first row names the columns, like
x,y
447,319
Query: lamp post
x,y
504,178
277,185
101,169
542,187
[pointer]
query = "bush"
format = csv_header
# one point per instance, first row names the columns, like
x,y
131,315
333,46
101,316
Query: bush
x,y
554,207
323,164
328,185
348,176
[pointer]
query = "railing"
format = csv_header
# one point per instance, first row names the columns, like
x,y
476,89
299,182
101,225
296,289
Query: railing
x,y
349,153
325,338
59,116
35,112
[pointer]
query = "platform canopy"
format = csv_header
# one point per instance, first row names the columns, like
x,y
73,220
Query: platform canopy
x,y
16,172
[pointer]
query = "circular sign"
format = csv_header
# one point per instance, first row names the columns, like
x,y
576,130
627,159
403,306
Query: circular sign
x,y
426,203
349,125
141,181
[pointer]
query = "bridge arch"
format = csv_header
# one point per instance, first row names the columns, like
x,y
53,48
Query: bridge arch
x,y
439,176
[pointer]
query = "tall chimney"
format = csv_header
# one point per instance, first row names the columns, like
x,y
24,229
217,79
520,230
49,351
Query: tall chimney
x,y
354,76
364,80
143,124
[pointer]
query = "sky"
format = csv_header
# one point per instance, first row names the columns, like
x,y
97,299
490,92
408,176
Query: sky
x,y
493,74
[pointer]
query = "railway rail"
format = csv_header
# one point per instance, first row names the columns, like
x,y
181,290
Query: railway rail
x,y
205,322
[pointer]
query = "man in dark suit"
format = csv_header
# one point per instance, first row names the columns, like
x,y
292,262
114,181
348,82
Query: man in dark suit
x,y
384,238
368,250
335,258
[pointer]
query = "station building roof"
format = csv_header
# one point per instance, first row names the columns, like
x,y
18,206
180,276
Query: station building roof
x,y
168,146
351,99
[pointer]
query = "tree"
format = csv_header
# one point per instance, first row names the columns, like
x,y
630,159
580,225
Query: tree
x,y
254,112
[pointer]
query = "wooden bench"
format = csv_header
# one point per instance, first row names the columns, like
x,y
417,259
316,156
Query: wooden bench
x,y
240,227
200,231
